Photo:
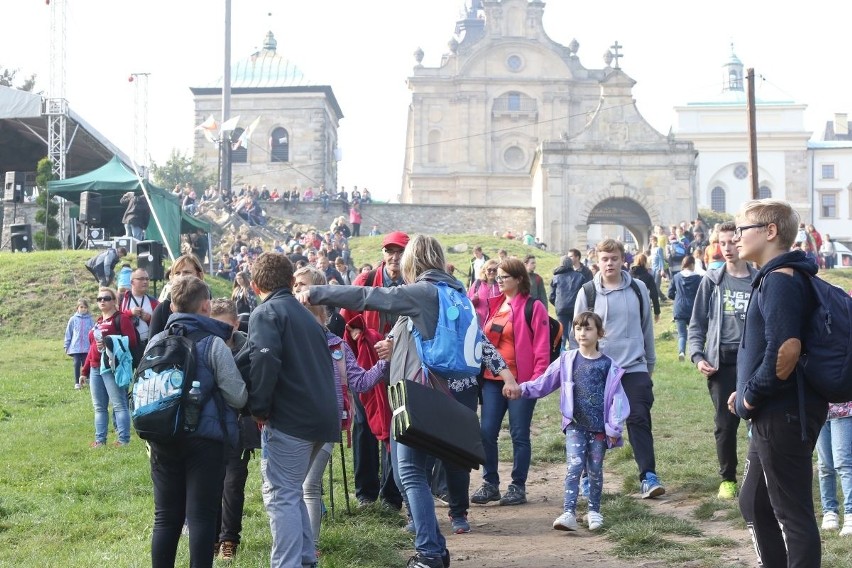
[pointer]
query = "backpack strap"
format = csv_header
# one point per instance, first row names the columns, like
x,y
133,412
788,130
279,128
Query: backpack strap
x,y
371,278
528,312
591,294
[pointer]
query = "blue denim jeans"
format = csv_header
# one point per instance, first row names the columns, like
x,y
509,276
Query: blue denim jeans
x,y
494,408
284,466
584,450
834,452
105,391
681,334
412,475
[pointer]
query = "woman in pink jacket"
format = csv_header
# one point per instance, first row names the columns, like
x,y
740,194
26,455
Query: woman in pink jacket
x,y
524,344
483,288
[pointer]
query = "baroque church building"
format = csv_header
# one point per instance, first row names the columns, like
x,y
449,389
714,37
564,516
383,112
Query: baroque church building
x,y
292,138
512,118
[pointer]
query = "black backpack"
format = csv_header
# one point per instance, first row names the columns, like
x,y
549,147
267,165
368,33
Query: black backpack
x,y
161,383
826,360
555,328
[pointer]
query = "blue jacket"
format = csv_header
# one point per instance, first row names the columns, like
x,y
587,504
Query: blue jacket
x,y
683,290
778,310
564,287
77,333
214,411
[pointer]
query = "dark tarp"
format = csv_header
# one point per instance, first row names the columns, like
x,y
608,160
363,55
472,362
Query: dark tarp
x,y
113,180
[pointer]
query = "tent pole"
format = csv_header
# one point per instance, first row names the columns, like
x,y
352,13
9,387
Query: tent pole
x,y
153,211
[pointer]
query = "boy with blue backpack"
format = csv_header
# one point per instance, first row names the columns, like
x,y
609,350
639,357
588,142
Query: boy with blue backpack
x,y
786,412
188,466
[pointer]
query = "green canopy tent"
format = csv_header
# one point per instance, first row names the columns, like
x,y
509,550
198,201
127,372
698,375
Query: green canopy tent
x,y
113,180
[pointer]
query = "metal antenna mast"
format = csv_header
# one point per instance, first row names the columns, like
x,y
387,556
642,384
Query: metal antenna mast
x,y
140,121
56,106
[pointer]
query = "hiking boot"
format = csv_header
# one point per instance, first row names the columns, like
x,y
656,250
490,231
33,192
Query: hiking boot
x,y
216,546
514,496
728,490
421,561
460,524
595,520
651,486
486,493
97,444
567,521
830,521
228,550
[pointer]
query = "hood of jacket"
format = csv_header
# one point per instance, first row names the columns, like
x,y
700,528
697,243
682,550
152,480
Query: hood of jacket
x,y
794,259
564,268
194,322
435,276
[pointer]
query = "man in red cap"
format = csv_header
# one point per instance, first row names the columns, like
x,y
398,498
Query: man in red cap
x,y
369,484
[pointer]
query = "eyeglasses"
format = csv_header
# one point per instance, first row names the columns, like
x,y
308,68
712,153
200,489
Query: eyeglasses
x,y
501,277
393,252
738,232
105,299
143,279
491,271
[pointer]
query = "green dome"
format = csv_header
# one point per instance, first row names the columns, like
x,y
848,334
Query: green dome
x,y
265,68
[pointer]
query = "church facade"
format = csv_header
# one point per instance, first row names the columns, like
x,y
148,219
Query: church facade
x,y
511,117
292,125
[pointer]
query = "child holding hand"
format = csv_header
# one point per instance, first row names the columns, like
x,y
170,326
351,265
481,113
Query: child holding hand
x,y
594,408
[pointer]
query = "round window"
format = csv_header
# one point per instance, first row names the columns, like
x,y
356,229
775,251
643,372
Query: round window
x,y
514,63
514,157
741,171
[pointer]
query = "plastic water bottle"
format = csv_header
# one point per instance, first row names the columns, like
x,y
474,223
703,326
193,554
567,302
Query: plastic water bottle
x,y
193,408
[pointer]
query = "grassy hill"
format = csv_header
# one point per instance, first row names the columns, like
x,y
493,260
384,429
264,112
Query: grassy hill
x,y
38,291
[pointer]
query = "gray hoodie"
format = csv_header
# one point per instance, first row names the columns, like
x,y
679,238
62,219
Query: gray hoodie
x,y
628,339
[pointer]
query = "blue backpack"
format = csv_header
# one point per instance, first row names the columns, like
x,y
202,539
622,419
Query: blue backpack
x,y
826,360
455,352
678,250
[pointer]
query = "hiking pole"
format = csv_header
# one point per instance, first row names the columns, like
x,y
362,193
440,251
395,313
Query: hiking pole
x,y
345,482
331,482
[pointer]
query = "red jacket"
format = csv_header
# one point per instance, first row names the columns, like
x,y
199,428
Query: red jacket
x,y
375,401
532,349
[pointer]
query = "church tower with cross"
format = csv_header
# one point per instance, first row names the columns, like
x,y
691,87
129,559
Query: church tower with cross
x,y
510,117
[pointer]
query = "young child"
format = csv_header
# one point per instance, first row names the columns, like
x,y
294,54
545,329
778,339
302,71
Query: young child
x,y
122,279
594,408
77,337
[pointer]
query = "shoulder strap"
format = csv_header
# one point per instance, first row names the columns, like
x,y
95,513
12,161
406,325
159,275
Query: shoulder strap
x,y
476,286
591,294
638,293
371,277
528,312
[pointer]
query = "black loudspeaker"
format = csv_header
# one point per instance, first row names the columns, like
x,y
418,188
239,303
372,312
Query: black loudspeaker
x,y
13,190
90,208
149,257
22,237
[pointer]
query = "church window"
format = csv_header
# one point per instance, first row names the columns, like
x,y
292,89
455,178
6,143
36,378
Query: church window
x,y
279,145
239,154
513,101
763,192
717,199
741,171
514,157
514,63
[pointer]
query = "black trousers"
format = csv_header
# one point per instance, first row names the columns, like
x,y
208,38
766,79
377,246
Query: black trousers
x,y
187,477
721,384
776,498
640,393
233,497
371,480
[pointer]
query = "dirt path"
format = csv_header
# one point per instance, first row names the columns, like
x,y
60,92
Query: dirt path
x,y
522,536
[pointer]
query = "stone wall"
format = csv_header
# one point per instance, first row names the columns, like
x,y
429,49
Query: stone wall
x,y
428,219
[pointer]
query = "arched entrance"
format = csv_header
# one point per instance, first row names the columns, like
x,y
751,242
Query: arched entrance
x,y
624,212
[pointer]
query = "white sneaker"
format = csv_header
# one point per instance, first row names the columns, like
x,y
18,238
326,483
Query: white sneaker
x,y
830,522
595,520
566,522
847,525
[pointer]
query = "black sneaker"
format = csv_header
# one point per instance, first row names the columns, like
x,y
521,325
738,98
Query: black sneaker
x,y
514,496
421,561
486,493
445,558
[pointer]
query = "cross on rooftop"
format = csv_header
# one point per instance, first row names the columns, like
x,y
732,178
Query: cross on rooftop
x,y
615,54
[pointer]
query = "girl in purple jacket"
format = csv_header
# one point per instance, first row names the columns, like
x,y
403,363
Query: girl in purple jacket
x,y
594,408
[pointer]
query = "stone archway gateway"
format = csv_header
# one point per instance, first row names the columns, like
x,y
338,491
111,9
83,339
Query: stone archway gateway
x,y
626,213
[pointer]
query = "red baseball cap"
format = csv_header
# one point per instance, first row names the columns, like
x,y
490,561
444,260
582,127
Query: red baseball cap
x,y
397,238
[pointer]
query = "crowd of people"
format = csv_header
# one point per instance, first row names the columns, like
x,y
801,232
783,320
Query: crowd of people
x,y
289,370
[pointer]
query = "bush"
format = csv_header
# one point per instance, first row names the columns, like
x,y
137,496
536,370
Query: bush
x,y
52,242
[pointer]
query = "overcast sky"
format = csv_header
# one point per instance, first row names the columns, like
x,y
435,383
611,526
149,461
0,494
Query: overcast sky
x,y
673,49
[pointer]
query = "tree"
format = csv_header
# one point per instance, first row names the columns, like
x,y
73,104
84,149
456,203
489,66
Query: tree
x,y
184,170
7,79
712,217
47,208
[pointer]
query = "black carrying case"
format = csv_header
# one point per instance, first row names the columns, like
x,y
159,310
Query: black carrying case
x,y
433,421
